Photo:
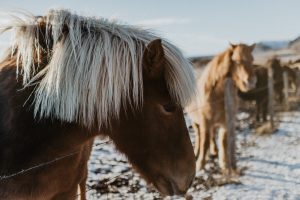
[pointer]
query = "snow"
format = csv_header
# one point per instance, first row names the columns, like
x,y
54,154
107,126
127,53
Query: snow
x,y
272,165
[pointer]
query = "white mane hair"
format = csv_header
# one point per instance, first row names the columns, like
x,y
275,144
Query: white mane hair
x,y
93,69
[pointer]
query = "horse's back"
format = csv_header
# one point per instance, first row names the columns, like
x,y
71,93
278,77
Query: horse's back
x,y
207,99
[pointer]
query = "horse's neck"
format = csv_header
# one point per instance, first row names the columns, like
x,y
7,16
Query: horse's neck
x,y
219,87
22,136
215,80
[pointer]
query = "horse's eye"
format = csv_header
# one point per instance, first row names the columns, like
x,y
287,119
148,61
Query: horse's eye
x,y
169,107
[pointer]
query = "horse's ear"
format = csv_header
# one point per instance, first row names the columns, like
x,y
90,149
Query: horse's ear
x,y
153,59
252,46
232,46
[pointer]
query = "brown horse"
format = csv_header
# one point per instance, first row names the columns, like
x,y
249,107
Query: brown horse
x,y
259,94
70,78
292,76
207,111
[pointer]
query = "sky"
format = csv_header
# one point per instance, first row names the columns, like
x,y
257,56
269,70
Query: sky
x,y
198,27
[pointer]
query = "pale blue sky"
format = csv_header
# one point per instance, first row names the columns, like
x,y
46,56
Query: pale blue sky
x,y
198,27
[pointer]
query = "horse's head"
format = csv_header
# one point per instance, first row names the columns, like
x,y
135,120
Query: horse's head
x,y
275,64
92,72
242,72
155,138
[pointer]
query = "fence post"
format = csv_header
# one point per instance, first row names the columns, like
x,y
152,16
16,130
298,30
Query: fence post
x,y
270,96
230,111
286,90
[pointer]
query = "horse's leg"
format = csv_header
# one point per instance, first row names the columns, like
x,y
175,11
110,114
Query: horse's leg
x,y
264,107
258,110
204,145
69,195
77,192
212,145
281,96
82,185
223,154
197,139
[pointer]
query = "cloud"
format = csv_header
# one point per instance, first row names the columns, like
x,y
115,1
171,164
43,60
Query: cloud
x,y
163,21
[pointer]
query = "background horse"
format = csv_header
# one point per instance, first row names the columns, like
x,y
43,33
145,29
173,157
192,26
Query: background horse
x,y
260,93
70,78
292,76
207,110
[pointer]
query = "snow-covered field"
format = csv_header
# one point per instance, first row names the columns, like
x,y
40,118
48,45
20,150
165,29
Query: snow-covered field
x,y
272,165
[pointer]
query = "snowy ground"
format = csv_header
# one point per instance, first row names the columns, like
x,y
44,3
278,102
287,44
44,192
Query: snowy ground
x,y
272,165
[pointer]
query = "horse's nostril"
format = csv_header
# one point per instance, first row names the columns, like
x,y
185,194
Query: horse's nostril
x,y
181,186
175,184
177,190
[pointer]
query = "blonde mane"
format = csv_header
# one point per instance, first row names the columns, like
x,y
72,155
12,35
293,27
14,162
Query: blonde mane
x,y
94,69
217,69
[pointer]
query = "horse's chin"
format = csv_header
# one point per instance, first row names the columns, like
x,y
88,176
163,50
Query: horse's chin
x,y
162,184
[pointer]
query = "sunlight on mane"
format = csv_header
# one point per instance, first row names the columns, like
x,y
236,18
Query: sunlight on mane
x,y
94,69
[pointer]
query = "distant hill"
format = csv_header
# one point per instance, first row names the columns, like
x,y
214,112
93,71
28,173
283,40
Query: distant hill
x,y
286,50
200,61
295,44
270,46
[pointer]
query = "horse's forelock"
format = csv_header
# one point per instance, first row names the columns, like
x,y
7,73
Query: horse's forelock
x,y
93,68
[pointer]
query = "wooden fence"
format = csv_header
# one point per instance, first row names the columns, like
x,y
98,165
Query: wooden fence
x,y
231,112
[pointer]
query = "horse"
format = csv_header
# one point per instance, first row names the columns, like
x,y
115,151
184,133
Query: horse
x,y
293,69
292,76
69,78
207,111
260,93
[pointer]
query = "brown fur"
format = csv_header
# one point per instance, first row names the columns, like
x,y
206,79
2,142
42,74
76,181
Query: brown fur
x,y
260,93
147,136
207,111
292,76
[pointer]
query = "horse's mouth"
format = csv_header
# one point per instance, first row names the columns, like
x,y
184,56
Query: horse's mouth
x,y
168,187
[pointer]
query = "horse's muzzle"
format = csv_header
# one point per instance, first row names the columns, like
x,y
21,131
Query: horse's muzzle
x,y
175,185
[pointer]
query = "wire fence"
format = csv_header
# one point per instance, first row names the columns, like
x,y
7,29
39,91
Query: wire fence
x,y
53,161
